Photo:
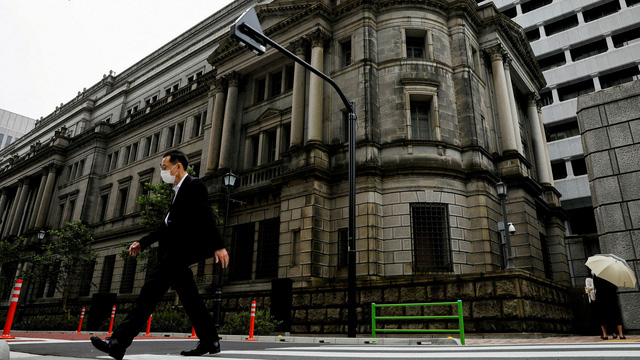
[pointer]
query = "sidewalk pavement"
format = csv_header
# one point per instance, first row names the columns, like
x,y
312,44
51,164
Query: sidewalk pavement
x,y
471,339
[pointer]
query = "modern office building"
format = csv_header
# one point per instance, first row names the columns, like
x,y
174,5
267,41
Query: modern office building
x,y
581,46
13,126
446,98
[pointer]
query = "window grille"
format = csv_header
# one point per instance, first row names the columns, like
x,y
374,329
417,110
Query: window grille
x,y
241,263
268,249
128,275
107,273
431,244
53,279
87,276
415,47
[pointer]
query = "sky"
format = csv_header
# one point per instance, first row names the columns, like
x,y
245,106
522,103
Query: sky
x,y
51,49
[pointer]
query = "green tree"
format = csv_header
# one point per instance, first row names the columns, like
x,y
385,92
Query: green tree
x,y
64,258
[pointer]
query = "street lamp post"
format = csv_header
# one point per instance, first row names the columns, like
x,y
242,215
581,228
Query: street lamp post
x,y
229,182
248,32
506,228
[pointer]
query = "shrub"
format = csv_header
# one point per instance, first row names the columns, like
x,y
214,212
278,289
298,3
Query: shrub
x,y
170,320
264,323
49,322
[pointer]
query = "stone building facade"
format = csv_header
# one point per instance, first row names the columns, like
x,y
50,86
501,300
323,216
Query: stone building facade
x,y
610,126
446,96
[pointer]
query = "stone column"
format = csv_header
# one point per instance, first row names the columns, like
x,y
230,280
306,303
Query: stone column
x,y
512,105
46,197
3,201
538,141
545,147
298,95
216,125
19,209
502,94
316,85
43,181
226,143
12,210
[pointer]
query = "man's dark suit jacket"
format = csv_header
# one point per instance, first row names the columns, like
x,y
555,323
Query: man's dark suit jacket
x,y
191,233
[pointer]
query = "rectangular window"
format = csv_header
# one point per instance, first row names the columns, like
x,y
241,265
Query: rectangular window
x,y
546,98
126,152
270,146
171,89
546,257
1,138
620,77
128,275
534,4
81,168
268,249
151,100
147,147
601,11
122,201
345,53
552,61
420,120
574,90
561,25
626,38
588,50
132,110
631,3
179,131
9,139
261,85
415,47
102,207
107,274
343,247
86,278
155,140
559,170
288,77
276,83
70,210
114,160
295,247
430,231
194,77
197,124
107,163
170,133
134,153
53,279
241,264
563,131
533,34
511,12
60,215
255,141
579,167
41,285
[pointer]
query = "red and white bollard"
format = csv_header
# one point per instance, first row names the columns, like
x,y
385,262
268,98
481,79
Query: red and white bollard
x,y
113,315
148,326
253,318
80,325
193,333
6,334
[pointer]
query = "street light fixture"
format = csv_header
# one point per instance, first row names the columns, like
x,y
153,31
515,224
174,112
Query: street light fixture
x,y
507,227
41,235
229,181
248,32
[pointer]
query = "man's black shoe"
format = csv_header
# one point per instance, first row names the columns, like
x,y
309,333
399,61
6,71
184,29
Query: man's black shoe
x,y
110,346
203,348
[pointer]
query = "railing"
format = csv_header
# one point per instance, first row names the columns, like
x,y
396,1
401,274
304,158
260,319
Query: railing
x,y
261,176
458,317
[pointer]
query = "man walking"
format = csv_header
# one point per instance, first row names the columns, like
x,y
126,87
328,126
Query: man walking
x,y
187,235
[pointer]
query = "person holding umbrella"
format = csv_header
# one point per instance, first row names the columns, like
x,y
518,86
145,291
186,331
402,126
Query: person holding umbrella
x,y
609,272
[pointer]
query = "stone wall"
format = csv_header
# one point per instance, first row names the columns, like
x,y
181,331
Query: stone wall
x,y
609,122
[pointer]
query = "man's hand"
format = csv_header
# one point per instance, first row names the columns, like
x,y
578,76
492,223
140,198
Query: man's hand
x,y
134,249
222,256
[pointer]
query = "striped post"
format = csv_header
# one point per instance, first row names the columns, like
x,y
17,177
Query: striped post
x,y
6,334
193,333
253,318
148,326
113,315
81,319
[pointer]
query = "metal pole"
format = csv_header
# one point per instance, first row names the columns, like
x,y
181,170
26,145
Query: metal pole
x,y
506,232
217,300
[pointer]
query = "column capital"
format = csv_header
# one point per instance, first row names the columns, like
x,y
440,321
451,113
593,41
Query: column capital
x,y
533,98
496,52
220,84
299,46
233,78
318,38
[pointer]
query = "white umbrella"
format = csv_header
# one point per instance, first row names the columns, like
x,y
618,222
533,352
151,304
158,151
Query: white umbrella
x,y
613,269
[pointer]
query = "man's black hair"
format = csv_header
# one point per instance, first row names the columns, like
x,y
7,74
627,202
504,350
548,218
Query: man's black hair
x,y
177,156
